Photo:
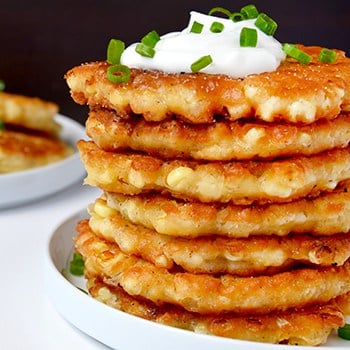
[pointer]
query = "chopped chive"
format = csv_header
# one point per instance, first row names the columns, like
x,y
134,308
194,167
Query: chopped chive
x,y
196,27
327,56
76,266
249,12
114,51
236,17
216,27
145,50
2,125
2,85
248,37
118,73
266,24
344,332
201,63
220,10
292,51
151,39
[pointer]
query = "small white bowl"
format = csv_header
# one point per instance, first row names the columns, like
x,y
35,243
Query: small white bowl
x,y
29,185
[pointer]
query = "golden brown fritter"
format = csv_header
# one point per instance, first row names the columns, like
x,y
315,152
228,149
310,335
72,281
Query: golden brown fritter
x,y
326,214
29,112
294,92
343,301
205,293
223,140
239,182
305,326
213,254
21,150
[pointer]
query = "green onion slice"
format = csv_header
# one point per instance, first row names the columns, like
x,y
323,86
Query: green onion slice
x,y
201,63
249,12
236,17
196,27
327,56
344,332
76,266
118,74
220,10
216,27
292,51
151,39
2,85
114,51
145,50
248,37
266,24
2,125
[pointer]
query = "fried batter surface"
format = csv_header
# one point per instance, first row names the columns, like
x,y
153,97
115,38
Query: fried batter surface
x,y
220,141
343,301
305,326
239,182
326,214
20,150
294,92
213,254
29,112
205,293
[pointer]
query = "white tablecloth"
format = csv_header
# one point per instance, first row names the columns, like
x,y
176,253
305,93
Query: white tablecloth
x,y
28,319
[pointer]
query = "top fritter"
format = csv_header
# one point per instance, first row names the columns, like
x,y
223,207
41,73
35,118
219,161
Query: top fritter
x,y
283,88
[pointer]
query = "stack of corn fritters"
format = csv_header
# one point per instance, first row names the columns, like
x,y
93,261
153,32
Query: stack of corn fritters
x,y
226,207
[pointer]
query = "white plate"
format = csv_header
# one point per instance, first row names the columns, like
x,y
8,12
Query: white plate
x,y
120,330
28,185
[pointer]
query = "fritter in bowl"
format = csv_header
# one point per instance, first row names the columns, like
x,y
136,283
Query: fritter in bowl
x,y
21,150
29,112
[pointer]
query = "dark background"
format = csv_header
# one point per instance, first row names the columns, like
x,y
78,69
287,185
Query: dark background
x,y
41,40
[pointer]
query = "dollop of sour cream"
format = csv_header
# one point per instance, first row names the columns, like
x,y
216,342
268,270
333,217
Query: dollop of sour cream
x,y
176,51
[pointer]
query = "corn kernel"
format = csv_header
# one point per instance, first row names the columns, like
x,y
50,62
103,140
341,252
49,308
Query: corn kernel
x,y
253,135
305,139
102,210
178,175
